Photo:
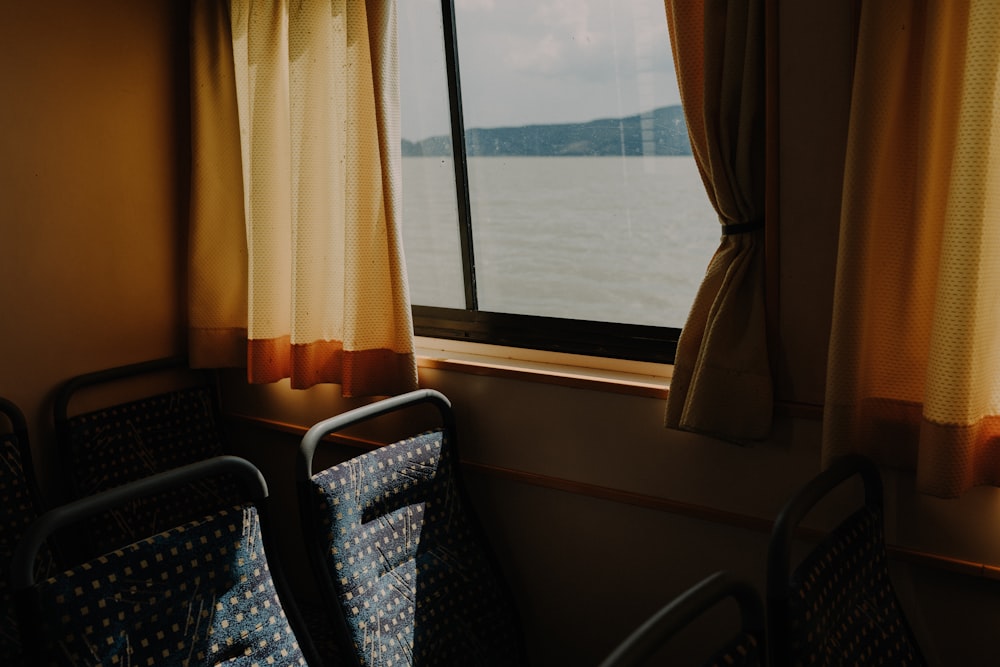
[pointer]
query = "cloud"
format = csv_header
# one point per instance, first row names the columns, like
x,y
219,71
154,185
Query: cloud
x,y
589,40
541,61
545,38
473,5
571,17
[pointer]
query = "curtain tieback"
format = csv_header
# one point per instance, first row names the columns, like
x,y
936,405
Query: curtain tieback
x,y
742,227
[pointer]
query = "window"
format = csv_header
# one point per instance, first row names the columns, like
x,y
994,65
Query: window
x,y
549,196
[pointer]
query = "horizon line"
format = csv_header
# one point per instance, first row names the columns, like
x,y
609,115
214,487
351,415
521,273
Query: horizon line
x,y
527,125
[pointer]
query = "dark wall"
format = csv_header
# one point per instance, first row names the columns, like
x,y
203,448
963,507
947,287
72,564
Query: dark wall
x,y
93,176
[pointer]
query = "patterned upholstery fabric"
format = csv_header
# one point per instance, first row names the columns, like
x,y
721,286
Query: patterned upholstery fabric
x,y
198,594
742,651
842,606
17,510
413,577
106,448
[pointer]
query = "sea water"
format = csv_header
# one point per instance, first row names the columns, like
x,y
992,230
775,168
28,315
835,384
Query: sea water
x,y
613,239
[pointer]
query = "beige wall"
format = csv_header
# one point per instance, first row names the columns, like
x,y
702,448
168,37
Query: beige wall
x,y
92,179
93,175
815,46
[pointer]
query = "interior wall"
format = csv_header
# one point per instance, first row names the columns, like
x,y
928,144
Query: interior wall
x,y
815,43
93,173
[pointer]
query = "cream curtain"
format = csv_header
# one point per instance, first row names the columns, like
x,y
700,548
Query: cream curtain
x,y
296,264
914,363
722,381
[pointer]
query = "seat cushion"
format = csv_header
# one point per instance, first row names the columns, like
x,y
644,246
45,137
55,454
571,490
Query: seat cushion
x,y
199,594
410,567
842,606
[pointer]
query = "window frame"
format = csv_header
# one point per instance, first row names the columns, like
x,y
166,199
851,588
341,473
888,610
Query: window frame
x,y
585,337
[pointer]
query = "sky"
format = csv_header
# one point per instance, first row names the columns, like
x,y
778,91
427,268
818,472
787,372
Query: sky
x,y
535,61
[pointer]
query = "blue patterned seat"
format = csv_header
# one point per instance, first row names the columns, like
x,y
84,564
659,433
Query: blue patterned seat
x,y
743,647
202,593
120,443
20,504
399,552
838,605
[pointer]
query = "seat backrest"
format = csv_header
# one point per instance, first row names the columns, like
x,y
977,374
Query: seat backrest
x,y
838,604
399,552
125,441
745,647
202,593
20,504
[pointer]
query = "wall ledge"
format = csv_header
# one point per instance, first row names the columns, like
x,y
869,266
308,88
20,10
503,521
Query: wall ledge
x,y
621,376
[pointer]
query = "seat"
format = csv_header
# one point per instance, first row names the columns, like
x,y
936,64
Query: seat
x,y
399,553
123,441
838,604
206,592
744,648
20,504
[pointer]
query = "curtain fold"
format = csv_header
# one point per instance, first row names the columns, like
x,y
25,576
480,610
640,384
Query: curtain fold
x,y
913,374
297,267
721,382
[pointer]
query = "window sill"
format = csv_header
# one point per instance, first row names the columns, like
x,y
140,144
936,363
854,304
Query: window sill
x,y
636,378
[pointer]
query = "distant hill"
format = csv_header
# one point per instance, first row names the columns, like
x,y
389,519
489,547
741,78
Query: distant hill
x,y
659,132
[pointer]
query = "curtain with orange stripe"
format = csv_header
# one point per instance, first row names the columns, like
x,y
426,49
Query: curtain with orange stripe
x,y
296,263
721,382
914,361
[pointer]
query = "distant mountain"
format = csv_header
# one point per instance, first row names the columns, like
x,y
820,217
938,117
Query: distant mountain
x,y
659,132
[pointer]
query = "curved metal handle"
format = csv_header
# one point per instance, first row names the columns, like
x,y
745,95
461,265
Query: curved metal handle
x,y
320,430
249,477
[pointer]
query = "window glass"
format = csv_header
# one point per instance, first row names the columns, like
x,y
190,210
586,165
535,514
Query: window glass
x,y
430,211
585,202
